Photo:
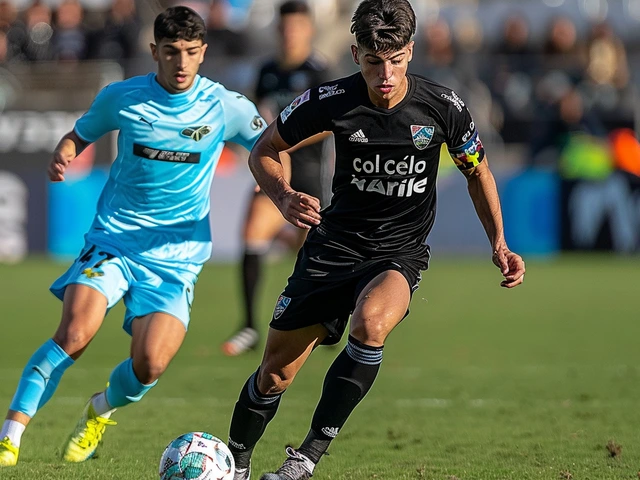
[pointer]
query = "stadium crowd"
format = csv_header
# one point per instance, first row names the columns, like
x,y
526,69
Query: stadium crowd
x,y
527,77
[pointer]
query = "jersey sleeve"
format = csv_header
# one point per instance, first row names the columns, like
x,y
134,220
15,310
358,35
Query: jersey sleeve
x,y
463,140
243,123
102,116
303,117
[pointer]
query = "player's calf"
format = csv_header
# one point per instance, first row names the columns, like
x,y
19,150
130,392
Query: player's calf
x,y
252,414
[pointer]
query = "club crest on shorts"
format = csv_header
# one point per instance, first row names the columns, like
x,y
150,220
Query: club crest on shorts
x,y
281,305
422,135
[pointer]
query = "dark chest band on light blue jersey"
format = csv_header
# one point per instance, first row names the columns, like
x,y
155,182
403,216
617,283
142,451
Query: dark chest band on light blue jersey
x,y
165,155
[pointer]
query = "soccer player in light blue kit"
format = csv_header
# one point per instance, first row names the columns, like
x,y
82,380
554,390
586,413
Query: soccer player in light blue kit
x,y
150,236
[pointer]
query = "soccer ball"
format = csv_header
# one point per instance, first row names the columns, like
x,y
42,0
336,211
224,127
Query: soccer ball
x,y
196,456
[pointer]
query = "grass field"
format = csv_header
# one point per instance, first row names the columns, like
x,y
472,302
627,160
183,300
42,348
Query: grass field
x,y
478,383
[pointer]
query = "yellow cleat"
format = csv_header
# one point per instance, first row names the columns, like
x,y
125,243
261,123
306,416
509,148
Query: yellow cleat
x,y
86,437
8,453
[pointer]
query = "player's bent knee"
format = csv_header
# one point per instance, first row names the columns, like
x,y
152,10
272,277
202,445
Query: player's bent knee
x,y
370,331
149,370
72,341
272,383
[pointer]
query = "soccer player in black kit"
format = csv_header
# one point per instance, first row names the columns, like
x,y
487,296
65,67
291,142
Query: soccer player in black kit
x,y
362,258
295,69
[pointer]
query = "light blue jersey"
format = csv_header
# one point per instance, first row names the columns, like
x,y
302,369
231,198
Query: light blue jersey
x,y
155,204
150,236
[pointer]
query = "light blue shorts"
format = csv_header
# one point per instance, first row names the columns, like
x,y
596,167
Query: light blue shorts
x,y
146,289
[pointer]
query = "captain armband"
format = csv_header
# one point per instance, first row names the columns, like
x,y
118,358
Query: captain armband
x,y
469,155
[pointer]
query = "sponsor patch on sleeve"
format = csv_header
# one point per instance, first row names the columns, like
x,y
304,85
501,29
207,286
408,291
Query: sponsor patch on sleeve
x,y
455,99
257,123
299,100
327,91
470,154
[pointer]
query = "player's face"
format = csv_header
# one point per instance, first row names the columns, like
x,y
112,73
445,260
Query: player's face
x,y
385,73
178,62
296,32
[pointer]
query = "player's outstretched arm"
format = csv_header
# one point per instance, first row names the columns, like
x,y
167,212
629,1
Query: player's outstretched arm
x,y
318,137
68,148
484,194
297,208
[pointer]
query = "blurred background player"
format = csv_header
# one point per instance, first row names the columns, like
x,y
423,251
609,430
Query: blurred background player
x,y
295,69
150,236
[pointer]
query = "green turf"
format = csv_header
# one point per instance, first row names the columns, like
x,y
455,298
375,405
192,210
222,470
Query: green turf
x,y
478,383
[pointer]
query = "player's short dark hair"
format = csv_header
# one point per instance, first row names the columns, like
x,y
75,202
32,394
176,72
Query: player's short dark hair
x,y
383,25
179,23
294,6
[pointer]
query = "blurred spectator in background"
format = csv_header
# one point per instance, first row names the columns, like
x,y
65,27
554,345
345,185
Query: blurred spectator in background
x,y
561,49
607,71
438,40
456,65
561,69
606,58
4,48
8,15
514,46
14,30
510,76
70,40
515,36
440,61
118,38
222,40
566,126
36,33
469,36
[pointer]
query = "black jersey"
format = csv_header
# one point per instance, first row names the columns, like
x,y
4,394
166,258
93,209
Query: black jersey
x,y
280,86
310,166
384,185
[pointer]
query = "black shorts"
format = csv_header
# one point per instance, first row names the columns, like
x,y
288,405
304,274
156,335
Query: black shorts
x,y
327,294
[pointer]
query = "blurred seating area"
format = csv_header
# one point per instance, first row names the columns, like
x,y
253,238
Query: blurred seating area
x,y
551,85
532,71
68,31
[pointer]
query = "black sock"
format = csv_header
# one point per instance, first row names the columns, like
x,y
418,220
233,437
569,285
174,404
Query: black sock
x,y
347,382
251,270
251,415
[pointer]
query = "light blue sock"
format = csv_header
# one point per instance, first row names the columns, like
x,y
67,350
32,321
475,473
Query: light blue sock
x,y
124,387
40,378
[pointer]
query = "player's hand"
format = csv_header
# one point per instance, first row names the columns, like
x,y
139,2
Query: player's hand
x,y
511,266
300,209
58,165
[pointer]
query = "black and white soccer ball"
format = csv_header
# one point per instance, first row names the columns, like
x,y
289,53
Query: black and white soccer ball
x,y
197,456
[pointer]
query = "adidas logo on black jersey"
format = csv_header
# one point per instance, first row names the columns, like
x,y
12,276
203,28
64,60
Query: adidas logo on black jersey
x,y
359,136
